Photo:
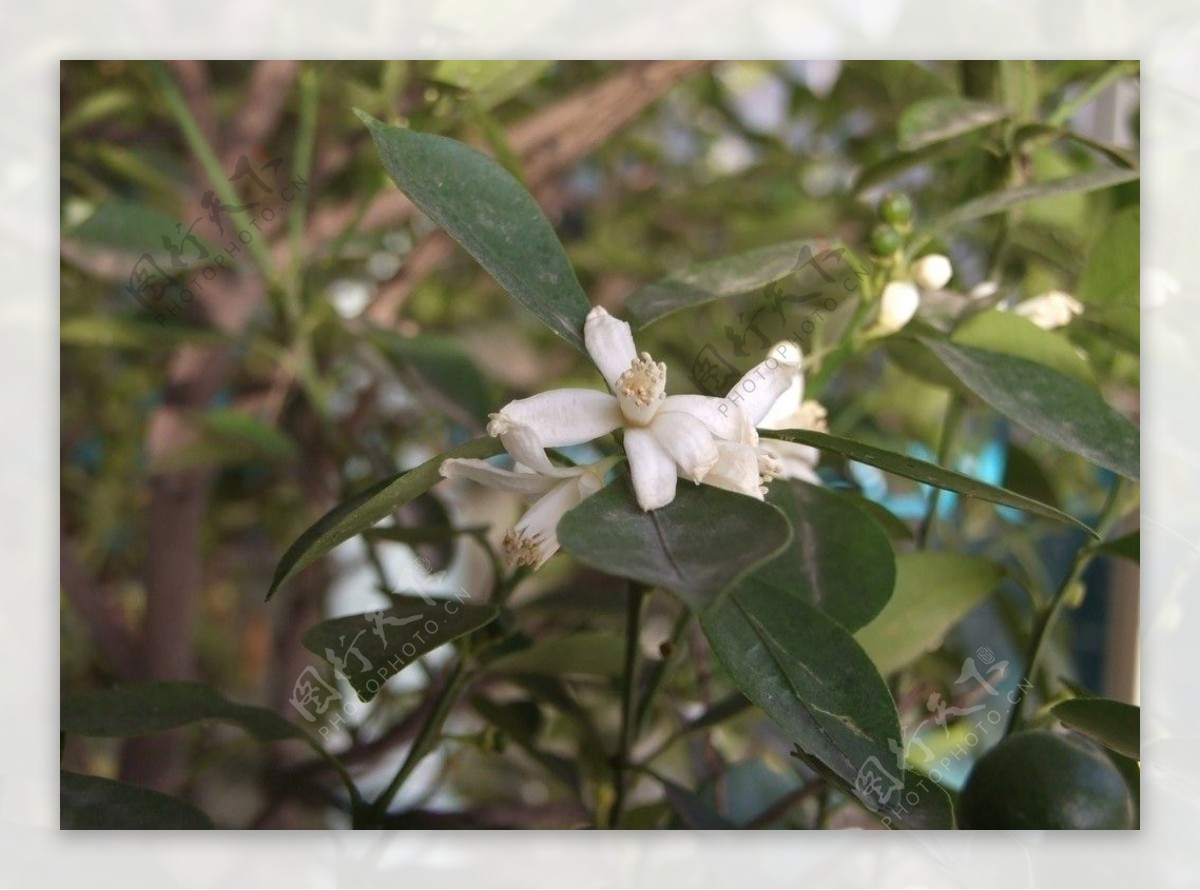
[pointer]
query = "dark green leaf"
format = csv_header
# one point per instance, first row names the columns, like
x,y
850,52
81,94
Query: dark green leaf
x,y
893,526
995,202
936,120
742,273
369,649
482,207
134,229
696,546
521,722
808,674
1129,546
1055,407
923,471
147,708
444,365
1114,724
1013,334
839,560
934,591
362,511
1024,475
87,802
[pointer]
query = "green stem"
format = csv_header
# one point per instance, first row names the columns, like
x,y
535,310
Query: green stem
x,y
633,625
207,157
423,743
305,140
659,673
1046,618
954,414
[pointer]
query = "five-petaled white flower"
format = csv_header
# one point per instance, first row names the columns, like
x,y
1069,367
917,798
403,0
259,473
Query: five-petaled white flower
x,y
664,437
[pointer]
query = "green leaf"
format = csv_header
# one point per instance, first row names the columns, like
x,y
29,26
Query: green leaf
x,y
482,207
1062,410
371,648
87,802
936,120
807,673
132,332
924,804
1128,546
230,437
1013,334
923,471
133,228
1114,724
839,560
1111,277
362,511
146,708
739,274
443,364
588,652
490,81
1025,475
934,591
696,546
995,202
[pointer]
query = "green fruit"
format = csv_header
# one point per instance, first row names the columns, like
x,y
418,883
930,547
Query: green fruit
x,y
1046,780
896,209
885,240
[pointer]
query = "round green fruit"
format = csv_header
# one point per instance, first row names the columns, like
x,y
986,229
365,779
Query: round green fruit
x,y
896,209
1046,780
885,240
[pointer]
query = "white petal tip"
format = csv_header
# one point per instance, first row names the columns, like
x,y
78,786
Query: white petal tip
x,y
788,353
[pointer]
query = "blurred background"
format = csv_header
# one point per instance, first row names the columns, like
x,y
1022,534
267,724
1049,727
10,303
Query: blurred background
x,y
256,324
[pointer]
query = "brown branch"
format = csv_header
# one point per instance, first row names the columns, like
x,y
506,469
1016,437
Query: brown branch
x,y
98,609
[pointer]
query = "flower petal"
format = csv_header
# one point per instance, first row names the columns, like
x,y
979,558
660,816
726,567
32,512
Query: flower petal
x,y
786,406
688,441
609,342
560,417
652,468
720,416
736,470
485,473
534,539
762,385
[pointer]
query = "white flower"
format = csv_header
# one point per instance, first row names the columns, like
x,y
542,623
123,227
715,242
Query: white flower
x,y
897,306
1050,310
983,290
932,272
792,460
665,437
534,539
770,393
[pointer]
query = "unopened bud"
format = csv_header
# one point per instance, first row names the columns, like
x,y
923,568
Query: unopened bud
x,y
932,272
897,306
896,209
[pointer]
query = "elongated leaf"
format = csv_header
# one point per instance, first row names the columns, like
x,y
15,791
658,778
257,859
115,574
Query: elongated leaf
x,y
934,591
808,675
146,708
839,560
1114,724
133,332
1055,407
88,802
696,546
369,649
135,229
995,202
936,120
362,511
923,471
816,266
1012,334
482,207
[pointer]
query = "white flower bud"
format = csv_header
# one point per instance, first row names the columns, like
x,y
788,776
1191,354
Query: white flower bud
x,y
932,272
897,306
